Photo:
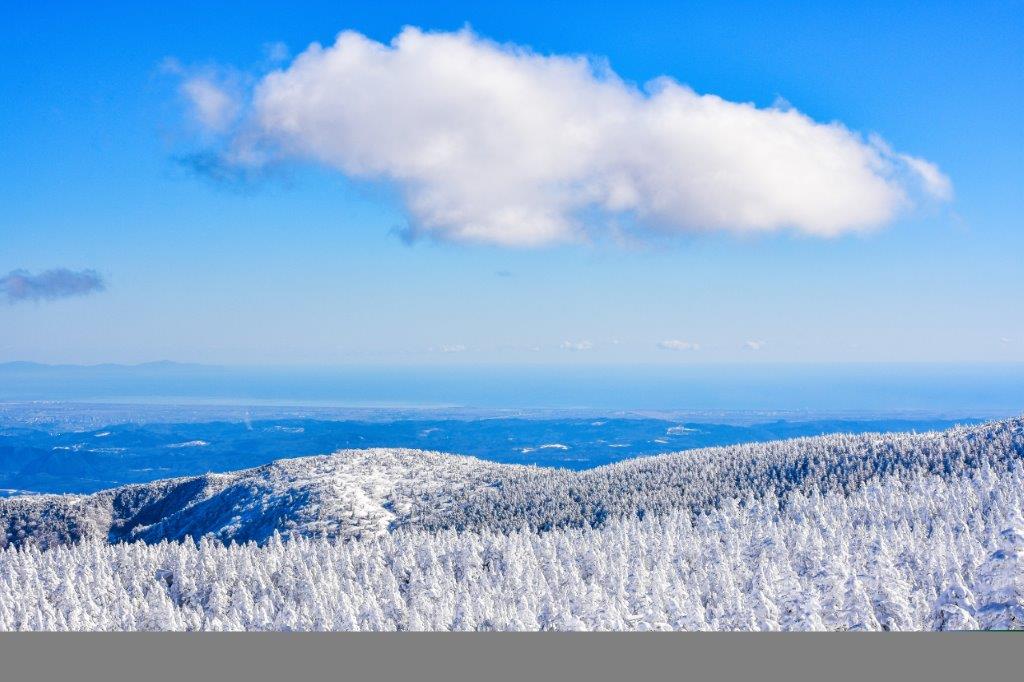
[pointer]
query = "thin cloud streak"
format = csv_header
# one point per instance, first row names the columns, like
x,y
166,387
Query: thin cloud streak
x,y
49,285
678,345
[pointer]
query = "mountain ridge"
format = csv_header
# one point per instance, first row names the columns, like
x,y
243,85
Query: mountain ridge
x,y
360,493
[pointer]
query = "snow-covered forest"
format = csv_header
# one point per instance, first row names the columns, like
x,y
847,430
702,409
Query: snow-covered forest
x,y
908,532
364,493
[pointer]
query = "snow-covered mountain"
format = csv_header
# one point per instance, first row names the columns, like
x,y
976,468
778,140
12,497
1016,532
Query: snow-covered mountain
x,y
905,532
360,493
349,493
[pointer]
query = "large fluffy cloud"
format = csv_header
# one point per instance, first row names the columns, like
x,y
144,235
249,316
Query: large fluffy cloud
x,y
497,144
21,285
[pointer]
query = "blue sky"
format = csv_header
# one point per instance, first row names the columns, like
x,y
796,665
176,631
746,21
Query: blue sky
x,y
305,264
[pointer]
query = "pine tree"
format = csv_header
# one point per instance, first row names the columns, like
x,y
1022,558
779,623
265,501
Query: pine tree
x,y
1001,582
857,613
956,607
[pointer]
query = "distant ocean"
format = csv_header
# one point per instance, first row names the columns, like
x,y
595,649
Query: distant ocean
x,y
981,390
80,429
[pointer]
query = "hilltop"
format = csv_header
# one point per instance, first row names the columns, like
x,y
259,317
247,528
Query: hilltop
x,y
365,493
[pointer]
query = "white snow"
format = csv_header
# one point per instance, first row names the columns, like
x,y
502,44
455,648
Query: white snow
x,y
894,556
895,532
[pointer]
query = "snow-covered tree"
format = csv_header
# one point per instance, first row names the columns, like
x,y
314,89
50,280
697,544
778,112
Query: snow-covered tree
x,y
1001,581
903,532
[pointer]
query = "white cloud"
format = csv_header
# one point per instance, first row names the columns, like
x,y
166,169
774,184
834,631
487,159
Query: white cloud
x,y
497,144
935,182
754,345
455,348
275,52
1004,339
676,344
577,345
214,107
21,285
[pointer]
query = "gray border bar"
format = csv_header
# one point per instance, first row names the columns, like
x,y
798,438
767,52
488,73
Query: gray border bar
x,y
515,657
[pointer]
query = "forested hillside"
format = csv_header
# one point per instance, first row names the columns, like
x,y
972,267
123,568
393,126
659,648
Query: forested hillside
x,y
356,493
907,553
903,532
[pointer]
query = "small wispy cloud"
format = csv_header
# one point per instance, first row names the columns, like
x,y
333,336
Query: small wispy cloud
x,y
275,52
453,348
21,285
504,273
676,344
214,168
935,182
1004,339
214,95
211,104
577,345
754,345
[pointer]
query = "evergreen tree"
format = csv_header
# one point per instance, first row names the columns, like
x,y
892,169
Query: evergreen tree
x,y
1001,582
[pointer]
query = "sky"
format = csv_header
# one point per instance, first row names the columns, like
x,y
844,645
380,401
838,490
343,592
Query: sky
x,y
584,183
